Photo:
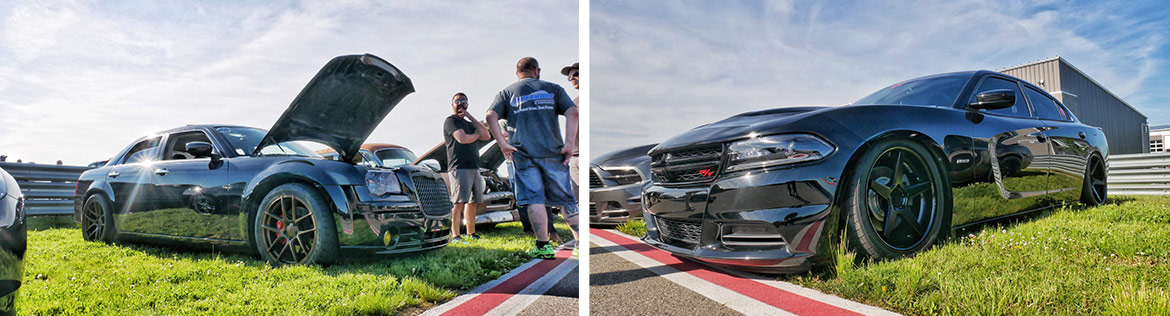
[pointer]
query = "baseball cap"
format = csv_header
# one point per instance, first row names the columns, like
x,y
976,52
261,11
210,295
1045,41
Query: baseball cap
x,y
565,71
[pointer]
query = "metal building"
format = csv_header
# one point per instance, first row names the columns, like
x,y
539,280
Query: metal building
x,y
1124,126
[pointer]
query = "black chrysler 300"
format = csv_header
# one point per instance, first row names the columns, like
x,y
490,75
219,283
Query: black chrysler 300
x,y
264,190
894,172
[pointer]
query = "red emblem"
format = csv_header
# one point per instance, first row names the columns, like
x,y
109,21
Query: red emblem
x,y
706,172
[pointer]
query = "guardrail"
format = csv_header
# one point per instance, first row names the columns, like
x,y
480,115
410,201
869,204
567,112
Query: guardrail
x,y
1139,174
48,189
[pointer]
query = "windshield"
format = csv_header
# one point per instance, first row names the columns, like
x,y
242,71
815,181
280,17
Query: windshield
x,y
394,157
933,90
245,139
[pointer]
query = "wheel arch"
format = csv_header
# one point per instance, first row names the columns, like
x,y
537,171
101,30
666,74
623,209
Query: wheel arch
x,y
933,146
255,193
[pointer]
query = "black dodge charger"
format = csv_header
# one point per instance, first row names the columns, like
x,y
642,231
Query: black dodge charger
x,y
244,187
893,172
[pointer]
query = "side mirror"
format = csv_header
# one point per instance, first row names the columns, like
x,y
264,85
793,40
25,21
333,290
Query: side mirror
x,y
994,99
199,149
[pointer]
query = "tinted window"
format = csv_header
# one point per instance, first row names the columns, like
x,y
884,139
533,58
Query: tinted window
x,y
936,90
1044,106
146,150
177,145
1020,109
393,157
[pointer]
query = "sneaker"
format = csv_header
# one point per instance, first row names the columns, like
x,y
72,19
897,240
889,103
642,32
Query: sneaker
x,y
575,252
545,252
458,239
472,237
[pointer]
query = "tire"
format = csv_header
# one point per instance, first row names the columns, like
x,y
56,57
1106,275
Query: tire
x,y
1095,190
97,219
293,225
920,204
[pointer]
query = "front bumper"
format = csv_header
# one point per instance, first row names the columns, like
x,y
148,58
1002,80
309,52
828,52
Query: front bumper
x,y
699,221
388,227
616,204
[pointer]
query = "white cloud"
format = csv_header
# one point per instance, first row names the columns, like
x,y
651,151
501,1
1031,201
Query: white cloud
x,y
82,80
661,69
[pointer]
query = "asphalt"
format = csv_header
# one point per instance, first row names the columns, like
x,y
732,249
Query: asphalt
x,y
561,299
620,287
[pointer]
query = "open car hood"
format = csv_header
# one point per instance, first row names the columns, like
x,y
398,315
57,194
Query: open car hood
x,y
342,104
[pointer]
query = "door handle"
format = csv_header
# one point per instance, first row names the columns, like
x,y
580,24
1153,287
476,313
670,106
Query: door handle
x,y
161,172
113,174
1081,134
1041,138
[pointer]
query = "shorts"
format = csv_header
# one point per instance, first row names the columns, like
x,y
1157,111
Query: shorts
x,y
466,186
541,181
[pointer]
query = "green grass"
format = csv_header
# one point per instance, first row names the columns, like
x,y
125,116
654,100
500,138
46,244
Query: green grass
x,y
1107,260
65,275
633,227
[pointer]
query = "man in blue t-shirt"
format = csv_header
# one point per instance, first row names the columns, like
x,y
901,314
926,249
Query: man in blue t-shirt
x,y
532,141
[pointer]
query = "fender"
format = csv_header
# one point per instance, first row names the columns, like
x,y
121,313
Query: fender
x,y
329,176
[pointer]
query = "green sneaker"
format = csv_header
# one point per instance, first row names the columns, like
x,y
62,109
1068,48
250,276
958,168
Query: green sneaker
x,y
575,252
545,252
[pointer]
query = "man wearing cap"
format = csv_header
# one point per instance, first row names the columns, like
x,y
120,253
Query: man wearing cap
x,y
573,73
461,131
532,141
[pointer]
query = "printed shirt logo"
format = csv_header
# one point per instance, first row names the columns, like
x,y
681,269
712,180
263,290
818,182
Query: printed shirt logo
x,y
538,100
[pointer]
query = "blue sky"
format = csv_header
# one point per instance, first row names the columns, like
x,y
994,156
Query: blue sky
x,y
660,68
80,80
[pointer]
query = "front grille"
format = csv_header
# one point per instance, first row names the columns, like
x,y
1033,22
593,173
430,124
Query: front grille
x,y
595,180
697,164
687,230
592,208
432,196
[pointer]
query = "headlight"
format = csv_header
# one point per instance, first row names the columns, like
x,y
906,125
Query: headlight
x,y
776,150
381,183
623,176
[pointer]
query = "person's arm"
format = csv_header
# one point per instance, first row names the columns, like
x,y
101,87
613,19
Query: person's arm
x,y
480,130
571,125
457,133
493,120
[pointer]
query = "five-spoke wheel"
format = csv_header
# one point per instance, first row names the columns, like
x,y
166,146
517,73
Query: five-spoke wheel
x,y
897,200
293,227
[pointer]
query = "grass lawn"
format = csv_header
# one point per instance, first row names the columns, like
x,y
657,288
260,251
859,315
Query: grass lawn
x,y
1108,260
66,275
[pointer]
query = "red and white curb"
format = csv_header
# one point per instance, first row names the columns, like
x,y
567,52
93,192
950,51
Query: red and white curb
x,y
743,292
512,292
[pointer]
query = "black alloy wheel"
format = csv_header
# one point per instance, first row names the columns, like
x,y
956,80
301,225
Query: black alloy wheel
x,y
97,222
898,200
293,227
1095,188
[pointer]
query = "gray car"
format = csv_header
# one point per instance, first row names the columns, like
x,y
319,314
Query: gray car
x,y
615,185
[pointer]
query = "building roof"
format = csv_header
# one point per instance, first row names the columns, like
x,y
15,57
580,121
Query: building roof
x,y
1082,73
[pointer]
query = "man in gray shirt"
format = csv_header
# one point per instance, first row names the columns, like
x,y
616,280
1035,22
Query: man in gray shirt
x,y
532,141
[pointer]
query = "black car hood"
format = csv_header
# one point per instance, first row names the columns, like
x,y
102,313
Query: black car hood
x,y
624,157
736,127
342,104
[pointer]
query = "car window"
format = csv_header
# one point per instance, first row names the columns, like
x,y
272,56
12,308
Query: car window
x,y
245,139
934,90
177,145
394,157
146,150
1020,109
1043,105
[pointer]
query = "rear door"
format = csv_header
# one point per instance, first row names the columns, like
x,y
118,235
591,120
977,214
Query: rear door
x,y
130,182
192,197
1070,147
